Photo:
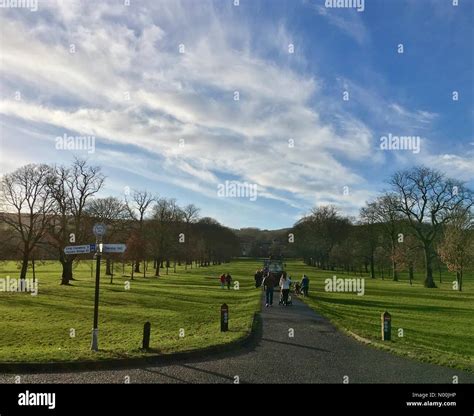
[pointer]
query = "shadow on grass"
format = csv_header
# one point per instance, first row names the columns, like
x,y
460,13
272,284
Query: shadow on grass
x,y
383,305
122,361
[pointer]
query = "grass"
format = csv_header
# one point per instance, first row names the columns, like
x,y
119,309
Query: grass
x,y
38,328
438,324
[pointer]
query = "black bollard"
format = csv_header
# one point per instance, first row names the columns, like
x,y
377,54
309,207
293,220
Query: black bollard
x,y
386,326
224,318
146,336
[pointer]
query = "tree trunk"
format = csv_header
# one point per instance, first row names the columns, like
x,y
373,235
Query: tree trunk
x,y
133,269
137,266
459,280
410,273
66,276
394,271
107,267
157,270
372,268
24,265
429,282
111,269
33,269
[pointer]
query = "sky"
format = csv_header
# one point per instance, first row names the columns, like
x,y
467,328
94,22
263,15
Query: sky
x,y
290,99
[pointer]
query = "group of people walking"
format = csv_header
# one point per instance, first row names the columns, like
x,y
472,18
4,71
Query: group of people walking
x,y
269,281
226,280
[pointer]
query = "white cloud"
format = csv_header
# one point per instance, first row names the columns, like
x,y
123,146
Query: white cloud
x,y
186,97
455,166
346,20
181,96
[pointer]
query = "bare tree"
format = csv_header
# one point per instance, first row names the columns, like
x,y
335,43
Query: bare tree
x,y
429,200
108,210
369,234
112,212
408,254
385,213
190,215
137,207
71,189
26,205
457,248
163,231
317,233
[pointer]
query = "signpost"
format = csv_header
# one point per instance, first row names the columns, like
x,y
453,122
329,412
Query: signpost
x,y
98,248
99,231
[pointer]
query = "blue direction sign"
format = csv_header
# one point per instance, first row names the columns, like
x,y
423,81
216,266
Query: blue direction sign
x,y
114,248
84,249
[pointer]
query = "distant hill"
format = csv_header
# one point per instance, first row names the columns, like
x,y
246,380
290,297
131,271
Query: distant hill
x,y
255,242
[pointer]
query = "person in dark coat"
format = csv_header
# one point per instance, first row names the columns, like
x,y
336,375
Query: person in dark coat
x,y
305,285
269,284
228,280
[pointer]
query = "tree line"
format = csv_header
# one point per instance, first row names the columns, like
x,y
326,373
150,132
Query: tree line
x,y
423,220
45,208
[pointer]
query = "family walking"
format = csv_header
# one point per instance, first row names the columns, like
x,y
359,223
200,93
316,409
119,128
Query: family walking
x,y
270,282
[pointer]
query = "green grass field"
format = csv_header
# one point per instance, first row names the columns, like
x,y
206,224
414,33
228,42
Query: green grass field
x,y
38,328
438,324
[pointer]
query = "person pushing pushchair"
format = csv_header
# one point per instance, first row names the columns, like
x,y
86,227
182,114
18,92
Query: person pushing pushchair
x,y
285,283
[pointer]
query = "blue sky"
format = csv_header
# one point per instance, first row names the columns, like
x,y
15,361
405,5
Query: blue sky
x,y
167,121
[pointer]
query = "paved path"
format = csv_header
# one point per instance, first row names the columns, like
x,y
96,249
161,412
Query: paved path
x,y
317,353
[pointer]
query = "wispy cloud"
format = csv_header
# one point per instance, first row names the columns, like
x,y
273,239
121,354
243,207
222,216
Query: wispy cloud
x,y
346,20
116,72
137,88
